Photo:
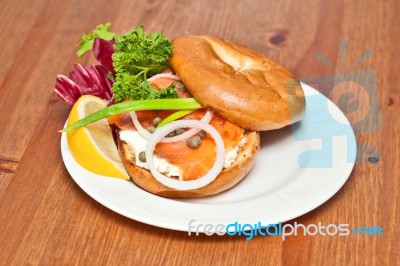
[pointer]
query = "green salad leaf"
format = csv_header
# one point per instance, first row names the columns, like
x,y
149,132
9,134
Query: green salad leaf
x,y
101,31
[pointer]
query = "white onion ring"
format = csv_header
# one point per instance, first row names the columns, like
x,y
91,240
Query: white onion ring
x,y
191,184
139,127
163,75
205,119
146,134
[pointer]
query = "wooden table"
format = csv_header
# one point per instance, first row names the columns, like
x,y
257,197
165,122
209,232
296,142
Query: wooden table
x,y
45,218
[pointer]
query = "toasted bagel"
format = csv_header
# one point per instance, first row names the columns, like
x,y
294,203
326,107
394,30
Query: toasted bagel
x,y
244,86
240,84
228,178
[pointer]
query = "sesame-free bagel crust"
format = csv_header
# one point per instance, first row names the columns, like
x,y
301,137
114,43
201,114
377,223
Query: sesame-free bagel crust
x,y
228,178
244,86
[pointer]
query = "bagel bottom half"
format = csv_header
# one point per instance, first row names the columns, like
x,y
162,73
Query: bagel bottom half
x,y
228,178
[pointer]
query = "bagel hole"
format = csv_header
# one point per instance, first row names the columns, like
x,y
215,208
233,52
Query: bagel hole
x,y
277,38
238,64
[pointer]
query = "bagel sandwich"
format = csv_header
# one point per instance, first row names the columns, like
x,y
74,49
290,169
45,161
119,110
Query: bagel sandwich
x,y
241,91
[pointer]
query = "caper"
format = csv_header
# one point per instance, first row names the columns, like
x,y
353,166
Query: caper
x,y
151,129
193,142
156,121
180,86
180,131
202,134
142,156
171,134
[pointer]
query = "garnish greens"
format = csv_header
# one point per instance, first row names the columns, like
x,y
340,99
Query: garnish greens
x,y
174,116
101,31
124,107
137,57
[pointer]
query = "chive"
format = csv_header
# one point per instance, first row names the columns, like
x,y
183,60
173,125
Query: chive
x,y
124,107
174,116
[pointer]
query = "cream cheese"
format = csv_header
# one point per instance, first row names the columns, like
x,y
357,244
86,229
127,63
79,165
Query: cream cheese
x,y
138,143
232,153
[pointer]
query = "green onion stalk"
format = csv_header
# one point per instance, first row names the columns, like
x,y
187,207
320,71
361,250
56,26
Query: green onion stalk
x,y
182,104
175,116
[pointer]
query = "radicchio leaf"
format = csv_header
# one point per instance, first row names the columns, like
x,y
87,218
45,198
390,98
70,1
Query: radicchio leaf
x,y
67,89
103,50
83,81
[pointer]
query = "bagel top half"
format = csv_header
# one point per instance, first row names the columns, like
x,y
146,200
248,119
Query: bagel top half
x,y
244,86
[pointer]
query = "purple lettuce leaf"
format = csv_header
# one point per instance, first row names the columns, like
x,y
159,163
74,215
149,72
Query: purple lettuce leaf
x,y
103,50
67,89
84,81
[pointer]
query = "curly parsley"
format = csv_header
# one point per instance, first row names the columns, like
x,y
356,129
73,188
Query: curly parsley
x,y
137,57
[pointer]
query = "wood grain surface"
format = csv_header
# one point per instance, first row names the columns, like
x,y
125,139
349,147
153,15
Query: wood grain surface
x,y
46,219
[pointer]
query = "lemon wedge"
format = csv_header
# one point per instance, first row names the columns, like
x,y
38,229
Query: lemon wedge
x,y
93,146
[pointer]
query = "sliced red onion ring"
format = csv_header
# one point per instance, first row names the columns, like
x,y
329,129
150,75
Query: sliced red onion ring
x,y
191,184
139,127
205,119
163,75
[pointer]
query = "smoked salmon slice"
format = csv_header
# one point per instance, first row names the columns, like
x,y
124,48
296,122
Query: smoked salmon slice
x,y
193,162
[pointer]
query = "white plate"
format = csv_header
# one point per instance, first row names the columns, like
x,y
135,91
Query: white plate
x,y
298,168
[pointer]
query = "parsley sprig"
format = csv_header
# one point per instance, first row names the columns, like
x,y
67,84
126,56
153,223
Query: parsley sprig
x,y
137,57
